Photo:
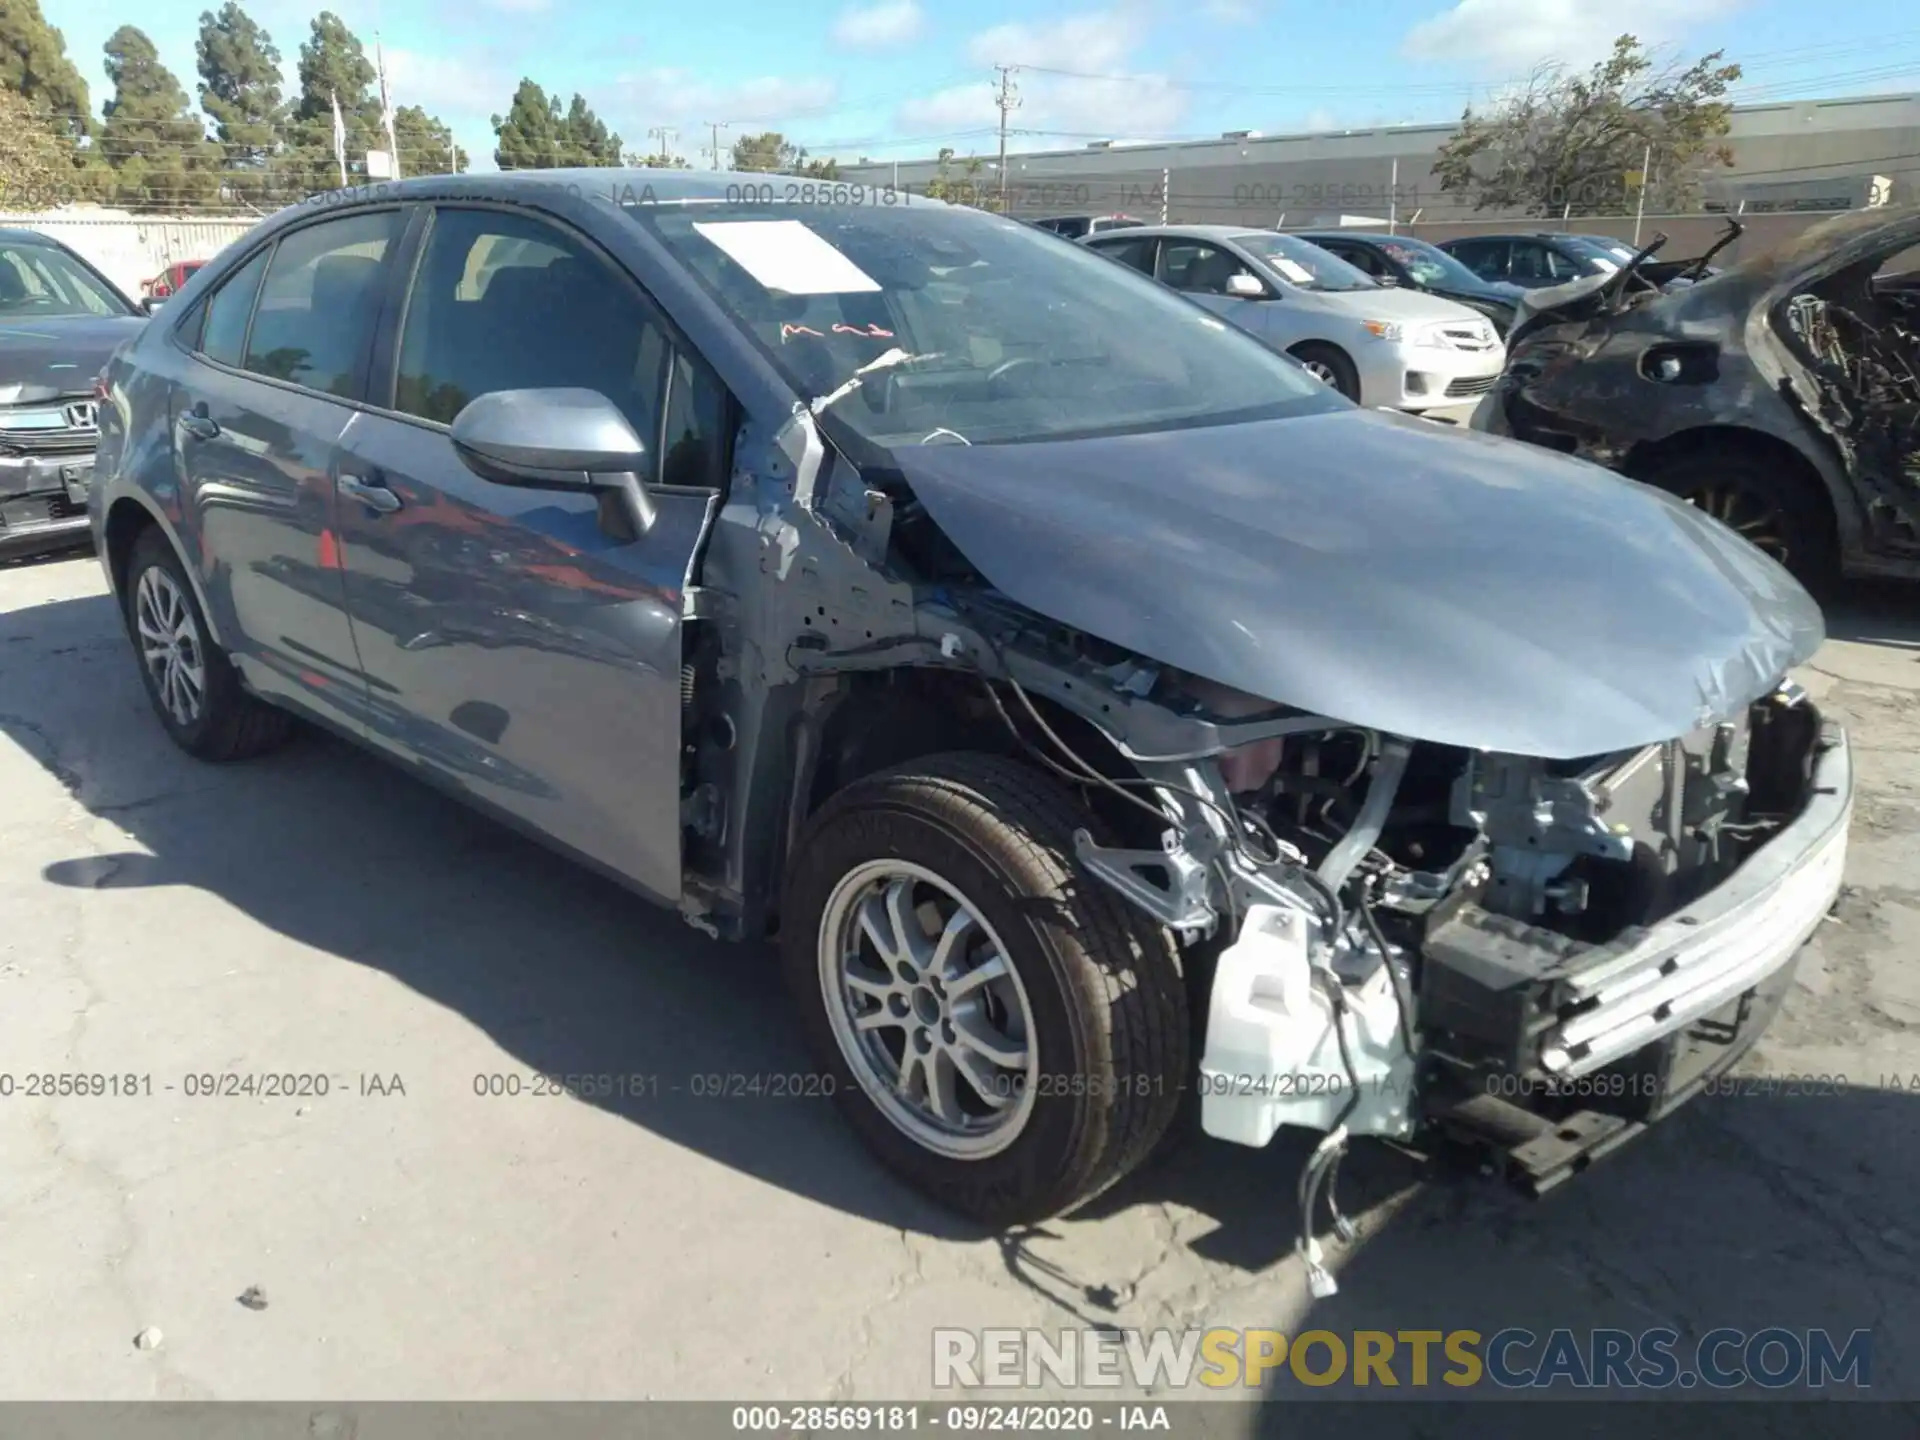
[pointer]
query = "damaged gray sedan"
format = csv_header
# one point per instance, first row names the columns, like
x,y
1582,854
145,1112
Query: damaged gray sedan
x,y
1098,712
1782,395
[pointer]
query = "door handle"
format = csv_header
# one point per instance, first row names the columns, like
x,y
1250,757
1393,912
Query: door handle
x,y
200,425
369,493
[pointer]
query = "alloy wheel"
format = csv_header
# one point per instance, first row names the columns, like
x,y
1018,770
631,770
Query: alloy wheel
x,y
1321,371
927,1009
170,648
1753,517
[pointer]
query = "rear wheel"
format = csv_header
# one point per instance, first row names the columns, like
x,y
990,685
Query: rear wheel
x,y
1330,366
189,679
1767,504
1002,1030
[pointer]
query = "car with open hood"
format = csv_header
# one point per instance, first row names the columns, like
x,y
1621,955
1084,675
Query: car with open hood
x,y
1393,348
1096,708
60,319
1781,395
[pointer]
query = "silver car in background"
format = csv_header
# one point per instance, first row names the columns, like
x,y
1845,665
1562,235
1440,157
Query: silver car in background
x,y
1390,348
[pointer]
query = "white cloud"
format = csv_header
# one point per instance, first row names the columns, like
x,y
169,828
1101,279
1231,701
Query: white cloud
x,y
1508,36
880,26
440,83
1102,98
1232,12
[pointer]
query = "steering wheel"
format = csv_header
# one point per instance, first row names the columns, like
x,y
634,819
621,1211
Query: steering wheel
x,y
1006,367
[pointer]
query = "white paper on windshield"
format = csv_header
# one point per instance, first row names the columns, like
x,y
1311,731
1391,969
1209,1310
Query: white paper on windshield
x,y
785,255
1606,265
1293,270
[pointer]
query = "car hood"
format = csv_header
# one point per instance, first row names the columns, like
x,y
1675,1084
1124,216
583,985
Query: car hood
x,y
1394,302
1422,580
58,355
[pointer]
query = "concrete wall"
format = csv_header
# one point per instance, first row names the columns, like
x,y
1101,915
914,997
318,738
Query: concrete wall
x,y
130,249
1312,179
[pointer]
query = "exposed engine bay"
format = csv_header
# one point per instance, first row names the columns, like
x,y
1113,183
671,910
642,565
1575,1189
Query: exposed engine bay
x,y
1860,336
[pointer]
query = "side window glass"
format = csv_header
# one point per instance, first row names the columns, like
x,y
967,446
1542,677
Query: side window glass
x,y
693,441
504,302
318,303
1198,268
223,335
1560,267
1362,259
1530,262
1137,253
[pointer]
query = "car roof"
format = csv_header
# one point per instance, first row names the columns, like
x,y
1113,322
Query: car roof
x,y
19,235
1370,236
1197,232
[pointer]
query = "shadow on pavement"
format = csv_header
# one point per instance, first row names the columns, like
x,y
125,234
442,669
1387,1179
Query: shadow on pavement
x,y
1749,1209
1878,612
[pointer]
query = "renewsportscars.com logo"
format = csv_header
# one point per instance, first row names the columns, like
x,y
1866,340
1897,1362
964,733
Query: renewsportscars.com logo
x,y
1512,1359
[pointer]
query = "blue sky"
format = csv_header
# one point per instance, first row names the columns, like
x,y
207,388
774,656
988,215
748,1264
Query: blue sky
x,y
901,78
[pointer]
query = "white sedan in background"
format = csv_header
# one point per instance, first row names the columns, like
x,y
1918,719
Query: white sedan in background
x,y
1377,345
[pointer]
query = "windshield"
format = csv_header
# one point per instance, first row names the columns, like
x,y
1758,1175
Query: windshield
x,y
1431,266
1604,256
925,324
39,280
1303,263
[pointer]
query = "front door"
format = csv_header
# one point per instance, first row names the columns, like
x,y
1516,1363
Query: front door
x,y
257,419
513,643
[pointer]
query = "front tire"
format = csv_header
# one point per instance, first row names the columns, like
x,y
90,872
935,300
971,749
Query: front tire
x,y
1330,366
193,686
1769,506
1005,1033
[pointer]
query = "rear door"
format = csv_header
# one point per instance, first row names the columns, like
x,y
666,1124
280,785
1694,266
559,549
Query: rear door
x,y
1135,250
281,350
1486,258
513,644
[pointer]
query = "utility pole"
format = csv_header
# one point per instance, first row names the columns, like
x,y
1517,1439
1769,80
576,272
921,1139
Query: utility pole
x,y
1640,209
1166,183
716,126
1008,102
664,134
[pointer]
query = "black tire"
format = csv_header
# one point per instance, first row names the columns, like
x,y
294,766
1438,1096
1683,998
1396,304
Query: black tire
x,y
1102,981
230,724
1345,378
1773,505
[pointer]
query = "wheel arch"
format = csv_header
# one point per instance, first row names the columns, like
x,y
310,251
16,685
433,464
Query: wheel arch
x,y
128,518
882,719
1830,491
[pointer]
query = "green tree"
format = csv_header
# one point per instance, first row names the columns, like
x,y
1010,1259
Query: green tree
x,y
528,136
770,153
585,139
660,161
765,153
240,92
964,188
34,64
333,62
426,144
156,146
1580,141
36,156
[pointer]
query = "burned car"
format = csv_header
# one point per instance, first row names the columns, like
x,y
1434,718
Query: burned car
x,y
1782,395
1092,723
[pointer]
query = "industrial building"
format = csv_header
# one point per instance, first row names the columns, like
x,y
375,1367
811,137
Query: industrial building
x,y
1794,156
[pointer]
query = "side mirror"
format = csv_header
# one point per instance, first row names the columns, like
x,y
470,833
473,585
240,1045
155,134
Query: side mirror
x,y
1390,281
1245,287
151,303
573,440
